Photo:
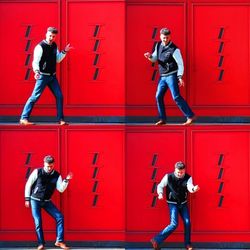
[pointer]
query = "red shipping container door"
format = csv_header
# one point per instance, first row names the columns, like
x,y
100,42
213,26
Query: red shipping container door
x,y
150,155
95,72
21,151
144,22
220,161
22,27
94,207
219,59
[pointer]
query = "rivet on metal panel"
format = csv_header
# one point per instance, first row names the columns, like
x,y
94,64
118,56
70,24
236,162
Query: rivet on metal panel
x,y
28,45
221,47
153,204
155,156
221,201
27,75
27,173
221,74
220,173
28,159
95,158
154,174
95,200
28,30
95,186
154,75
221,187
27,61
96,59
221,32
97,29
96,45
154,33
221,157
154,187
221,61
96,73
95,173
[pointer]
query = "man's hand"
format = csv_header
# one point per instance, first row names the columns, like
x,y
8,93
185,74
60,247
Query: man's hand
x,y
160,196
37,75
69,176
181,82
27,204
68,48
196,188
148,55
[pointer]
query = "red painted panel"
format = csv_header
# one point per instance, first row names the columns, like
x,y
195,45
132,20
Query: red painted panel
x,y
143,25
95,74
221,168
150,155
219,76
22,151
22,28
95,201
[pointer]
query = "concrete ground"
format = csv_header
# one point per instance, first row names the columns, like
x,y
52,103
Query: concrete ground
x,y
87,248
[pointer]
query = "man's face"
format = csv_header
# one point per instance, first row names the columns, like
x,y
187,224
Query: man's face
x,y
179,173
48,167
165,38
50,37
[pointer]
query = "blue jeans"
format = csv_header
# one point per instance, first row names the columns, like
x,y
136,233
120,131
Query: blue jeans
x,y
41,83
51,209
174,210
171,82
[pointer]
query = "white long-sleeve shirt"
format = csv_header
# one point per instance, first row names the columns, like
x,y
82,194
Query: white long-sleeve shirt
x,y
38,52
61,185
164,183
177,57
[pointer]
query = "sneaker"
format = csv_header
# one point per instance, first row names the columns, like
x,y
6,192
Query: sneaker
x,y
40,247
189,121
63,123
61,245
25,122
155,244
189,247
160,122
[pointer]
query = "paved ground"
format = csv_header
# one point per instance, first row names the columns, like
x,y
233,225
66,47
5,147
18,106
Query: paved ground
x,y
87,248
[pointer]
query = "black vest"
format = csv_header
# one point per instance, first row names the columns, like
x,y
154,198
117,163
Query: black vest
x,y
166,62
45,185
47,63
176,190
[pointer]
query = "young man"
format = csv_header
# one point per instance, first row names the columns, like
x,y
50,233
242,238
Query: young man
x,y
39,189
171,71
177,185
46,55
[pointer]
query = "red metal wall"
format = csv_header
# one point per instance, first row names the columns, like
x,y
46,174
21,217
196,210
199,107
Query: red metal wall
x,y
116,168
97,78
112,196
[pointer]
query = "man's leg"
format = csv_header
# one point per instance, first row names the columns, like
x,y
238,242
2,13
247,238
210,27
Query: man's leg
x,y
56,90
160,93
37,91
173,210
172,82
184,212
36,213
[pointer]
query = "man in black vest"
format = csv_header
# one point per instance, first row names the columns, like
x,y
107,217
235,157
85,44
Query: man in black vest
x,y
177,185
46,55
171,70
39,188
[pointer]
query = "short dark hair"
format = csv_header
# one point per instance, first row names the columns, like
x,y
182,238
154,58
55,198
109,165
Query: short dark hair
x,y
179,165
53,30
165,31
49,159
